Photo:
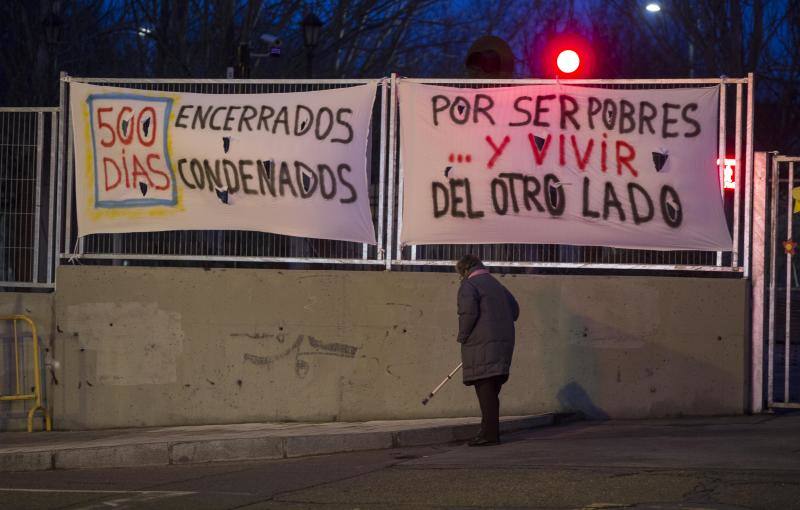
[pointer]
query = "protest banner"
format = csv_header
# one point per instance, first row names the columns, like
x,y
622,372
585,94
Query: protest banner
x,y
288,163
558,164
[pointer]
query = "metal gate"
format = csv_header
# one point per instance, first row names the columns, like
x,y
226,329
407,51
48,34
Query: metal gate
x,y
27,192
783,348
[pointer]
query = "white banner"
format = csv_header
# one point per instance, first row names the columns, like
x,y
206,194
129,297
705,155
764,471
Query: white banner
x,y
555,164
293,163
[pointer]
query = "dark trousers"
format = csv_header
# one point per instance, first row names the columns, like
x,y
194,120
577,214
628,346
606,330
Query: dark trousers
x,y
488,391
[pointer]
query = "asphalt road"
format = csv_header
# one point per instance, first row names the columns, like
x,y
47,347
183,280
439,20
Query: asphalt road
x,y
749,462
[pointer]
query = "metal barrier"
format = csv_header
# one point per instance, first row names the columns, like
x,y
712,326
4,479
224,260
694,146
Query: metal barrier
x,y
27,170
783,348
386,194
19,394
737,204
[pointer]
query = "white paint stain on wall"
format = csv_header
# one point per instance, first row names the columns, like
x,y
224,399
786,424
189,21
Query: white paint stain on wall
x,y
134,343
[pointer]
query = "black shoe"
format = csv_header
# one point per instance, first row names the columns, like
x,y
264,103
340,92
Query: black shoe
x,y
480,441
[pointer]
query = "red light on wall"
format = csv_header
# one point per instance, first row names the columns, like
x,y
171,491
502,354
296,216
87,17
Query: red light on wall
x,y
728,176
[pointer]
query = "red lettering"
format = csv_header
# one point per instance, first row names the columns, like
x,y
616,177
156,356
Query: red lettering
x,y
151,157
106,161
497,150
582,160
152,126
105,125
138,170
626,159
539,156
124,126
127,172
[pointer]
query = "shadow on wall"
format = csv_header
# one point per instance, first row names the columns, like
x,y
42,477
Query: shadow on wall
x,y
573,397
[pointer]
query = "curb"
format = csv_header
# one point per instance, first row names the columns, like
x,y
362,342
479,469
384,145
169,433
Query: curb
x,y
252,448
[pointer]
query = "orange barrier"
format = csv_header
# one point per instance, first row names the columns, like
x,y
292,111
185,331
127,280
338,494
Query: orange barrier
x,y
37,388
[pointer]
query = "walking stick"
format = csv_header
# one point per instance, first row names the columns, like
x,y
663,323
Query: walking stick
x,y
430,396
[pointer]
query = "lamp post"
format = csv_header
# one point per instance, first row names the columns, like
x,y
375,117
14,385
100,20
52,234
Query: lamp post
x,y
311,30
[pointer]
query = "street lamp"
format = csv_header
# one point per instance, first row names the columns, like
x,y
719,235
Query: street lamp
x,y
311,30
655,8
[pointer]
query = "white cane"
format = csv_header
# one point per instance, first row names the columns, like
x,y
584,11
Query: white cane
x,y
430,396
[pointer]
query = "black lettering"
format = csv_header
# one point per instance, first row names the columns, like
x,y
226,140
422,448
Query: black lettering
x,y
303,172
540,109
638,218
182,115
568,113
647,112
213,176
595,105
609,114
587,213
554,198
499,183
339,120
689,120
229,117
327,192
527,120
303,125
610,200
455,199
472,214
245,176
211,123
200,117
462,109
285,179
671,209
282,118
322,134
530,194
437,187
263,120
197,173
512,179
248,113
181,163
266,177
340,170
627,124
485,109
229,169
438,109
667,120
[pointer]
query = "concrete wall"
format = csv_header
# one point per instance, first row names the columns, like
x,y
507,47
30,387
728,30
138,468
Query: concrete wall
x,y
39,307
168,346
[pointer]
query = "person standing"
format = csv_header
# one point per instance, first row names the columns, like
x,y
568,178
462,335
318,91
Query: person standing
x,y
486,315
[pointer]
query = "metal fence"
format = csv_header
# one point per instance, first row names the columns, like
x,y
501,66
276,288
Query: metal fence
x,y
386,195
27,168
783,347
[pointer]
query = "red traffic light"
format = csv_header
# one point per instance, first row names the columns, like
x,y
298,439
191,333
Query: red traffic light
x,y
568,61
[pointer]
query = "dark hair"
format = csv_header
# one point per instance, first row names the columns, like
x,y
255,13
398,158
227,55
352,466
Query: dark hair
x,y
468,264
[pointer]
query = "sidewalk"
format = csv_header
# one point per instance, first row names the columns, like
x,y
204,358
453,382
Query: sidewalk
x,y
21,451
